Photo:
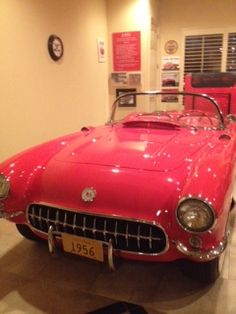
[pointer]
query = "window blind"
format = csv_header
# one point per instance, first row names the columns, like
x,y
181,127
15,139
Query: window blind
x,y
203,53
231,53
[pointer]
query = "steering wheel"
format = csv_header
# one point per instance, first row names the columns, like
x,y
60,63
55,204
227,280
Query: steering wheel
x,y
196,113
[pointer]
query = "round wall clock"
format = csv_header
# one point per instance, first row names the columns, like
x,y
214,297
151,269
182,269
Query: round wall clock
x,y
55,47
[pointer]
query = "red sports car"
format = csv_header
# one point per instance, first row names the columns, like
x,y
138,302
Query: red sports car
x,y
152,185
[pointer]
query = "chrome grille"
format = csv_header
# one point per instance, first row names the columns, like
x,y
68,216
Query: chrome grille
x,y
127,235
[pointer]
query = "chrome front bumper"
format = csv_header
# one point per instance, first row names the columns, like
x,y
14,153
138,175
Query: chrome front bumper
x,y
195,254
7,215
52,247
200,255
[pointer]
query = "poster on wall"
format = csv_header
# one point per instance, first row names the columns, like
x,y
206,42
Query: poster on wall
x,y
126,51
171,97
126,101
101,50
169,79
170,63
119,78
134,79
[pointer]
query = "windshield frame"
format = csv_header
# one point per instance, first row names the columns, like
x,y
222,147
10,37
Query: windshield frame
x,y
153,93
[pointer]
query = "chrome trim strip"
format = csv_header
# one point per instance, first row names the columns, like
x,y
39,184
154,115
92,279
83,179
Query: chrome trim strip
x,y
52,241
33,217
127,235
74,223
138,237
151,223
202,255
110,256
94,227
58,235
8,215
48,218
40,218
56,221
65,222
105,230
150,239
84,224
115,234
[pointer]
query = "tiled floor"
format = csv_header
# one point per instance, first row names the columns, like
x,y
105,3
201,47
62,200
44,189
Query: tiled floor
x,y
31,281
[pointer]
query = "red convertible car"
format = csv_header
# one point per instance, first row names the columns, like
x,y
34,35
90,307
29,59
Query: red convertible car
x,y
149,185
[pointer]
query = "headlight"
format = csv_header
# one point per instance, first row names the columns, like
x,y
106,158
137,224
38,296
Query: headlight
x,y
4,186
195,215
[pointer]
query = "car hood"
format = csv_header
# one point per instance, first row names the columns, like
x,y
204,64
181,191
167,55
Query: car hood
x,y
157,150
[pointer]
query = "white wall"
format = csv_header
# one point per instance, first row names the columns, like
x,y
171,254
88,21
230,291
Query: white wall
x,y
41,99
178,17
128,16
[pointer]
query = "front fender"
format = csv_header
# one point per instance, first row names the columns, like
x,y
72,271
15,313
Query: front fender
x,y
211,179
23,169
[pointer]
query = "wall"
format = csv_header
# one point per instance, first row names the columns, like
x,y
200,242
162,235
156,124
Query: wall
x,y
176,14
134,15
180,16
41,99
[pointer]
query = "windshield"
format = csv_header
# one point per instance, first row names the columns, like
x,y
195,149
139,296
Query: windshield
x,y
165,109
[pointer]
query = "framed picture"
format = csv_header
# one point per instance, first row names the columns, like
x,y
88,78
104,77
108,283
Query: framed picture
x,y
127,101
170,79
170,97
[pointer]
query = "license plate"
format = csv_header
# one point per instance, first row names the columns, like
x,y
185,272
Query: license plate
x,y
84,247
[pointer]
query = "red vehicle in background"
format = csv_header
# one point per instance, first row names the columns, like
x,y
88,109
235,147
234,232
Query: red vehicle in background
x,y
219,85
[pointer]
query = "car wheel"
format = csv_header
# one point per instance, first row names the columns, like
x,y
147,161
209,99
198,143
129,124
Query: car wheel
x,y
27,233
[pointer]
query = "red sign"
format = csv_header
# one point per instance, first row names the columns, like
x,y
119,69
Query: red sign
x,y
126,51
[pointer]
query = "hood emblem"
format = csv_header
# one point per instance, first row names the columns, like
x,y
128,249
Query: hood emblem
x,y
88,194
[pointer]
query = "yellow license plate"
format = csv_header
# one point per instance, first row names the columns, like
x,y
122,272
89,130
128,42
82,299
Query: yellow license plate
x,y
84,247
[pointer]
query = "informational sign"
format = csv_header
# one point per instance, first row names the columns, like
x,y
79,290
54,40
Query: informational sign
x,y
126,51
101,50
118,79
134,79
170,63
169,79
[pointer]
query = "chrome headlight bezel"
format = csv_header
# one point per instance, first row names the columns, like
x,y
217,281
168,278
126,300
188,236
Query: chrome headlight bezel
x,y
4,187
195,215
